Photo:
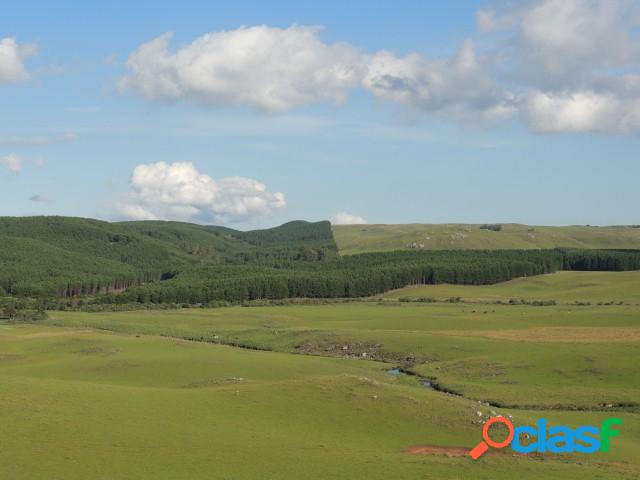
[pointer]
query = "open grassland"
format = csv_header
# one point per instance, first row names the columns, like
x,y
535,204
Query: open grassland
x,y
563,287
79,404
523,356
305,391
370,238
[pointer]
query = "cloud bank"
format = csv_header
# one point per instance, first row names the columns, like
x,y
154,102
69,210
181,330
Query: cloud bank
x,y
576,63
178,191
561,66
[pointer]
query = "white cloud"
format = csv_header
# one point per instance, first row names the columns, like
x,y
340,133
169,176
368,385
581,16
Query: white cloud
x,y
565,39
266,68
179,191
559,66
12,56
345,218
275,70
460,87
581,111
560,43
575,61
11,162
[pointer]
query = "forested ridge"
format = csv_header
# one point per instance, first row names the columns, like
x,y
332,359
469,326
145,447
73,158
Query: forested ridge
x,y
173,262
65,256
369,274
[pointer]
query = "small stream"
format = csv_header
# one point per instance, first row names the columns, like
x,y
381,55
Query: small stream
x,y
425,382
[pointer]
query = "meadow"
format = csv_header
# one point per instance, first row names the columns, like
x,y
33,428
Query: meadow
x,y
353,239
305,390
563,287
284,392
78,403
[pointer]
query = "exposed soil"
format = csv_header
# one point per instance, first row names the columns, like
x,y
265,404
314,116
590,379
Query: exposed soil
x,y
358,349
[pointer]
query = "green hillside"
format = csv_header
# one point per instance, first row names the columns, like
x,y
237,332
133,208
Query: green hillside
x,y
370,238
181,263
561,287
68,256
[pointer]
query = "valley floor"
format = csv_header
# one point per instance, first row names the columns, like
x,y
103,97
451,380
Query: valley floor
x,y
163,395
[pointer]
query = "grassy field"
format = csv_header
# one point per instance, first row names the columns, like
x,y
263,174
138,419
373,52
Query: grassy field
x,y
78,404
563,287
162,394
510,355
368,238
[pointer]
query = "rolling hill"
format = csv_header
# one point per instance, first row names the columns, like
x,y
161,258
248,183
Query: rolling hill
x,y
353,239
68,256
182,263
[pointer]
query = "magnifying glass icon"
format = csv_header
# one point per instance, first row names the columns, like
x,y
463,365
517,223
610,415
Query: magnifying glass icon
x,y
481,448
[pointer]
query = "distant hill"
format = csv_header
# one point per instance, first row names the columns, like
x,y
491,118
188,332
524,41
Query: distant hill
x,y
370,238
67,256
181,263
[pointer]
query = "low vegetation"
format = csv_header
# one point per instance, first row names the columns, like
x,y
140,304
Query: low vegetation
x,y
564,287
353,239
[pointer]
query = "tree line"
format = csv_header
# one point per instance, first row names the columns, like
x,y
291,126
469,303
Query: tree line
x,y
368,274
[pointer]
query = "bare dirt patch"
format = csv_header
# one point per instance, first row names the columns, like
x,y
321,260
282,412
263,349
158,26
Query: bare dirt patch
x,y
357,350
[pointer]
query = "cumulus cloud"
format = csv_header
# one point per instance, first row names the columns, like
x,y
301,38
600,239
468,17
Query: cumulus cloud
x,y
12,56
179,191
11,162
581,111
274,70
559,41
266,68
345,218
460,87
558,65
574,61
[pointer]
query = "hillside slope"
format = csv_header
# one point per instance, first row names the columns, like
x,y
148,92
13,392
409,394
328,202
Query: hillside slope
x,y
68,256
370,238
173,262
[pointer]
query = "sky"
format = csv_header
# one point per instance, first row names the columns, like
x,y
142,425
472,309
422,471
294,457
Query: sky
x,y
254,113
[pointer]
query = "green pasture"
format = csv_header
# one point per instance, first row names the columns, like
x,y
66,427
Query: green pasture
x,y
303,391
78,403
371,238
563,287
520,355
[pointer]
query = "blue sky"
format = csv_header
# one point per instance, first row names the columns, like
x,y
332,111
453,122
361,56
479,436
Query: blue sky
x,y
391,112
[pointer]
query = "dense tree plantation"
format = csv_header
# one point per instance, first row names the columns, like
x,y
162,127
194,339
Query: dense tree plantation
x,y
369,274
62,256
172,262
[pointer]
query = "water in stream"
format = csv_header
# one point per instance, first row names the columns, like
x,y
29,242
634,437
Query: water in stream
x,y
397,371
